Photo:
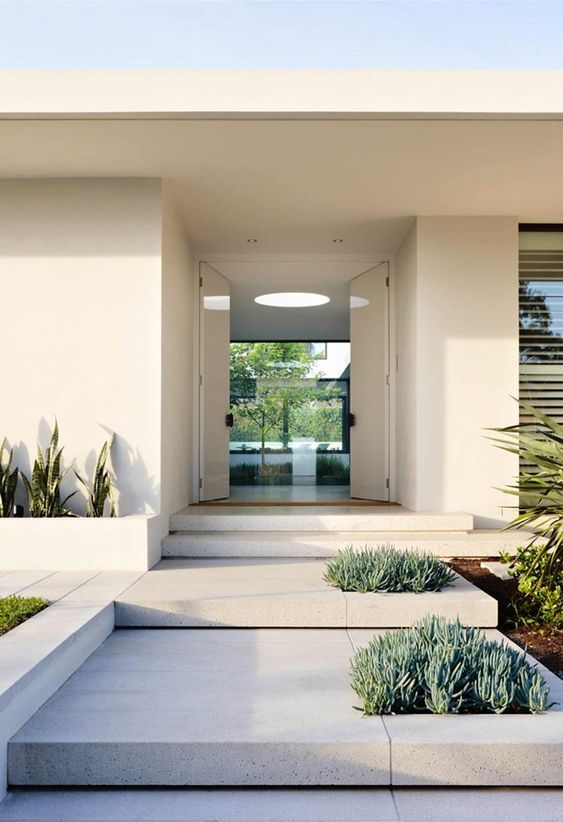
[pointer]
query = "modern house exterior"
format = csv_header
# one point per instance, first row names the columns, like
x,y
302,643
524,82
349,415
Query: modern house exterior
x,y
406,230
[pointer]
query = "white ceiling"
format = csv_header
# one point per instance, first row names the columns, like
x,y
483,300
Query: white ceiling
x,y
297,184
250,321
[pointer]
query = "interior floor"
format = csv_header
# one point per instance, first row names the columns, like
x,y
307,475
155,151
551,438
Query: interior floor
x,y
292,495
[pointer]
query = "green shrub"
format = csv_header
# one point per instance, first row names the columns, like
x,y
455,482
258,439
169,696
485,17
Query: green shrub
x,y
8,482
331,470
102,489
386,569
442,667
44,488
244,473
538,603
248,473
15,609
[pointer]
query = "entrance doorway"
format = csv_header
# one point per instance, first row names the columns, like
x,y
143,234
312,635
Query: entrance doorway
x,y
285,416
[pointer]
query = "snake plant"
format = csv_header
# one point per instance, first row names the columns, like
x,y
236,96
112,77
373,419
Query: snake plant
x,y
442,667
8,481
539,488
44,488
386,569
102,489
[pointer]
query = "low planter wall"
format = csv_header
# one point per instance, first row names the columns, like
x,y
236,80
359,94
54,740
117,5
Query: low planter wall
x,y
81,543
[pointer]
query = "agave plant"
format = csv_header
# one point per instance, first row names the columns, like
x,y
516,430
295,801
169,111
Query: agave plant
x,y
441,667
44,488
102,489
539,488
8,482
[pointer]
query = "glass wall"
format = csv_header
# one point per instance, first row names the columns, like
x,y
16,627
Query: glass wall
x,y
290,405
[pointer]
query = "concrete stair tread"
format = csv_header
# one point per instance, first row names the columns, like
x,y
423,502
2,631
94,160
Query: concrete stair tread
x,y
260,707
281,593
281,805
315,518
209,544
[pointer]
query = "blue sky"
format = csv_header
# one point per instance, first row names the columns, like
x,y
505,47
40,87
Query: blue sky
x,y
275,34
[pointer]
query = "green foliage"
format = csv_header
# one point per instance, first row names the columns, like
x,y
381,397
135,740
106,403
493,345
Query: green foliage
x,y
102,489
442,667
539,489
247,473
386,569
15,609
538,604
44,488
331,470
8,482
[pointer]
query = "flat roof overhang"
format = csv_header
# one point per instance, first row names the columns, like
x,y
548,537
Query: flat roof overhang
x,y
281,93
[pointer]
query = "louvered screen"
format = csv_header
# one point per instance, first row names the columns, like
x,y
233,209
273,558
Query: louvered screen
x,y
541,331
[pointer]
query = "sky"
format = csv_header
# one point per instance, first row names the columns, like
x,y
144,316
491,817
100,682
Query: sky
x,y
400,34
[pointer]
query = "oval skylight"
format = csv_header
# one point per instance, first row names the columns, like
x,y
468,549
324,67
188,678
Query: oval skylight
x,y
292,299
358,302
217,303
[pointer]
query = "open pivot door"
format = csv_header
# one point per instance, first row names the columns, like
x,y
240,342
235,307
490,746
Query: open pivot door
x,y
214,390
369,358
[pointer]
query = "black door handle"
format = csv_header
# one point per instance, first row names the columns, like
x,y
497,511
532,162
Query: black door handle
x,y
229,420
351,420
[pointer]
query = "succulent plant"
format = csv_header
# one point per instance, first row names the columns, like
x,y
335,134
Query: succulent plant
x,y
8,482
44,487
102,489
386,569
440,666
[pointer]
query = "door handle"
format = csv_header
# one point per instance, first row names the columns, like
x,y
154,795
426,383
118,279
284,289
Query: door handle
x,y
351,420
229,420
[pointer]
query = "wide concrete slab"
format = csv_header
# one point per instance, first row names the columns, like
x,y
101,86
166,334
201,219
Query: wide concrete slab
x,y
291,544
234,707
315,518
281,593
489,750
295,804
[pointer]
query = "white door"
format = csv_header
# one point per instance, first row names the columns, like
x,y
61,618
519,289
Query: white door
x,y
214,391
369,403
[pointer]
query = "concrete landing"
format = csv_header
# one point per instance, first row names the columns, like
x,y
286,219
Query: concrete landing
x,y
261,707
280,544
315,518
289,805
287,593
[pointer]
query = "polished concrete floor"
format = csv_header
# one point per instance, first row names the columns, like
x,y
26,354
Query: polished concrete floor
x,y
290,493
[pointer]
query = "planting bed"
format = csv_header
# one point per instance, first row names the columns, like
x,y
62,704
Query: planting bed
x,y
16,609
546,645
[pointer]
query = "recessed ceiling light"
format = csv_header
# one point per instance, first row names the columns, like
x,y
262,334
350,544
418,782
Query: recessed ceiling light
x,y
337,240
292,299
358,302
252,240
217,303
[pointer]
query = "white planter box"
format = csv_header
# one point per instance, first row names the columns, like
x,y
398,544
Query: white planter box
x,y
69,543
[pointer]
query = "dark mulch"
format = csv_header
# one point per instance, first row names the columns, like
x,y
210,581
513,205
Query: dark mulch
x,y
545,644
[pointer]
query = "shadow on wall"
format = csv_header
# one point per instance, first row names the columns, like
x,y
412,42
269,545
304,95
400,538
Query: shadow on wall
x,y
137,491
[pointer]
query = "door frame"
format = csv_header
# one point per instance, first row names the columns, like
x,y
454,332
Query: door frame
x,y
391,355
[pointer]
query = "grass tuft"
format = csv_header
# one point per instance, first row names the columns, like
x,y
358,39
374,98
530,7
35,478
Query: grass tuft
x,y
15,609
384,569
442,667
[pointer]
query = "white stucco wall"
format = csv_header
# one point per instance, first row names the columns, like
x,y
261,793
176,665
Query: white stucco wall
x,y
406,329
466,363
80,285
179,307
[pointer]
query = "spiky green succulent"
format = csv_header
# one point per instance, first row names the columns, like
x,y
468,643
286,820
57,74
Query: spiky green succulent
x,y
8,481
383,568
441,667
44,487
102,487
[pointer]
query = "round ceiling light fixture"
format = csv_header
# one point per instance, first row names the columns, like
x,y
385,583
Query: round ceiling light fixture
x,y
358,302
252,240
337,240
217,303
292,299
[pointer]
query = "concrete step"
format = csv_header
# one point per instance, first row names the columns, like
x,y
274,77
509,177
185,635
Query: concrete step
x,y
281,805
315,518
286,593
279,544
261,708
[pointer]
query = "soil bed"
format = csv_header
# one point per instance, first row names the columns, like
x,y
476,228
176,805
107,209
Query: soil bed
x,y
545,644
